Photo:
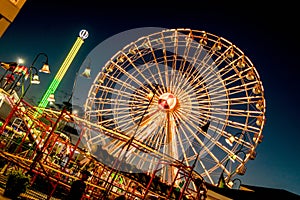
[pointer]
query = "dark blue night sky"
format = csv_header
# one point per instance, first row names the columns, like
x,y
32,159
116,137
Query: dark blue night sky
x,y
267,34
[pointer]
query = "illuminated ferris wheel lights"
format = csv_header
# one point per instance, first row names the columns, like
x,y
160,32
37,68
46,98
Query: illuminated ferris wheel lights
x,y
241,169
257,89
258,138
252,154
120,59
230,53
102,77
133,51
110,68
259,120
260,104
217,46
241,63
204,39
250,76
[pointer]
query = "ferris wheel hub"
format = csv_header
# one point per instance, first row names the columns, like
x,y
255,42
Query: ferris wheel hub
x,y
167,101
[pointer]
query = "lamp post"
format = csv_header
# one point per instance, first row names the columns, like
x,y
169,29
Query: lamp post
x,y
241,169
24,71
33,80
232,183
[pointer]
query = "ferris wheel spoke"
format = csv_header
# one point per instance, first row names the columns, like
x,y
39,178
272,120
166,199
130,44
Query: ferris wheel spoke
x,y
185,157
186,136
155,139
129,75
138,71
158,73
120,82
187,125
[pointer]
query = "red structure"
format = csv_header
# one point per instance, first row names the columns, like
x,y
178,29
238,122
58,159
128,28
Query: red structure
x,y
41,148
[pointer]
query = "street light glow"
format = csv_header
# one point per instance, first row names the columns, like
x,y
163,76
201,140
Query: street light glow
x,y
21,61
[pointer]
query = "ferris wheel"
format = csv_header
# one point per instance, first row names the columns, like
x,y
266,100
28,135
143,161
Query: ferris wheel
x,y
183,95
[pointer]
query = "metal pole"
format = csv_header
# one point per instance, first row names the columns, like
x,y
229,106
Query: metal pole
x,y
14,109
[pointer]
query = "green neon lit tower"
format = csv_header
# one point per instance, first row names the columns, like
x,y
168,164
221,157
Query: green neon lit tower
x,y
83,34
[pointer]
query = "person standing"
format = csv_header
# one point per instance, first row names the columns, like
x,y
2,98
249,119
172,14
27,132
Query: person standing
x,y
78,187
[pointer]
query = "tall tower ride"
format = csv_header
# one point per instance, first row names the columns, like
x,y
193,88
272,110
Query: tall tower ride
x,y
83,34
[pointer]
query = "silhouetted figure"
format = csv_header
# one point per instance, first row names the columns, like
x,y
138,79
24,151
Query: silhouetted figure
x,y
78,186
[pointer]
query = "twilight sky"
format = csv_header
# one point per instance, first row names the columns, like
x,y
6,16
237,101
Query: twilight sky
x,y
265,33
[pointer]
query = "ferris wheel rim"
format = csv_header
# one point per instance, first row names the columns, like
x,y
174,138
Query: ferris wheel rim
x,y
245,75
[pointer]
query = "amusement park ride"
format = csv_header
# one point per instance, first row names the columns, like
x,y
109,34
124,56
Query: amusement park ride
x,y
168,114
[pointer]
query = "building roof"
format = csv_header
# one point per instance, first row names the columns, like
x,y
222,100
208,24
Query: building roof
x,y
252,192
